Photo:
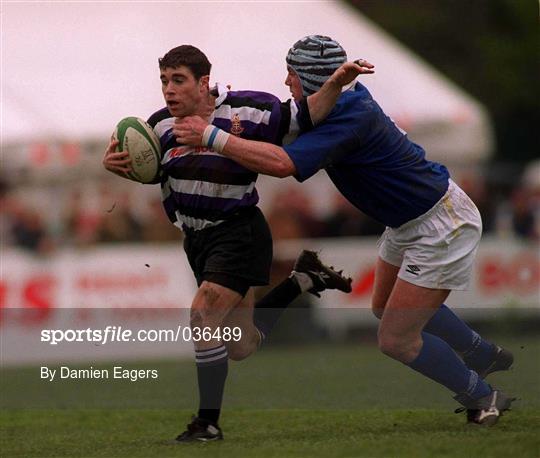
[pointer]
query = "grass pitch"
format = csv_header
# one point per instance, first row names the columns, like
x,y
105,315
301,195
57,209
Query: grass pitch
x,y
316,401
268,433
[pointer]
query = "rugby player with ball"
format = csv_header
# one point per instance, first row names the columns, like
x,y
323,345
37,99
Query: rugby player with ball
x,y
213,199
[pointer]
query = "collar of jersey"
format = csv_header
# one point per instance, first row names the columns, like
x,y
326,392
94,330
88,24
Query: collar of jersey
x,y
349,87
222,93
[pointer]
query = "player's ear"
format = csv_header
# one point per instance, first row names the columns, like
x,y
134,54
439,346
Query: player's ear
x,y
204,82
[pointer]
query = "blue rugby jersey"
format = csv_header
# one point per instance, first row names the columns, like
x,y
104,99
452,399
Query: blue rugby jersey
x,y
202,188
370,160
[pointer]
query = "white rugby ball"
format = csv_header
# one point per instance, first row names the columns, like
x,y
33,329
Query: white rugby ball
x,y
140,141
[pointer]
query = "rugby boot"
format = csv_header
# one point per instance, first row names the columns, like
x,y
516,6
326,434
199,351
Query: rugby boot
x,y
200,430
323,276
487,410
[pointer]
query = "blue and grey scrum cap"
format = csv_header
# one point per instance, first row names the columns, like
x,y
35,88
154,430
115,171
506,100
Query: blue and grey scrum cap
x,y
314,58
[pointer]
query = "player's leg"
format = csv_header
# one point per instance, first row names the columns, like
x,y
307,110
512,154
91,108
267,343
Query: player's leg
x,y
478,354
408,310
439,250
401,337
457,215
459,221
385,279
210,306
309,274
239,322
227,260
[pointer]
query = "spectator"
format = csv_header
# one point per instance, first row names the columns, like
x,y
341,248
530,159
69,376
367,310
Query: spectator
x,y
29,232
523,214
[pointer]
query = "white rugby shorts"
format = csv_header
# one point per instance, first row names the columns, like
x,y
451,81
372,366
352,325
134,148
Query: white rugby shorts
x,y
437,249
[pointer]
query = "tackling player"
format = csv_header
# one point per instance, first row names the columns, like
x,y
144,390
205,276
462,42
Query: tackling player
x,y
213,199
433,228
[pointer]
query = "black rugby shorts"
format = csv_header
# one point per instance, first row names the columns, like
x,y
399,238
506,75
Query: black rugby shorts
x,y
236,254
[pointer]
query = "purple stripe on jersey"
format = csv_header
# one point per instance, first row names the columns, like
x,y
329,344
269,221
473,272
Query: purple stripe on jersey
x,y
260,101
221,163
256,97
166,139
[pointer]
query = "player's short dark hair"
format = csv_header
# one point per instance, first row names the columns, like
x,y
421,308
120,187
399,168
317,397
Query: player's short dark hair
x,y
189,56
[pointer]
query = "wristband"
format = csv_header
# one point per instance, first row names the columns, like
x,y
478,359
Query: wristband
x,y
214,138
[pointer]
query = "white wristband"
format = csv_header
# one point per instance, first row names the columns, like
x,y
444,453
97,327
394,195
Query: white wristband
x,y
214,138
206,134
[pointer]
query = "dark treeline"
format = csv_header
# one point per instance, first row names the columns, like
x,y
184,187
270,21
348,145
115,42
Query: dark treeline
x,y
488,47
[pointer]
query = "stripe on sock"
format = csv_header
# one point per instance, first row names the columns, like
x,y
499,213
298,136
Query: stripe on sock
x,y
473,382
476,341
212,356
304,281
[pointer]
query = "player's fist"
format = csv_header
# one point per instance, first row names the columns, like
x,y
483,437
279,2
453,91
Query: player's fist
x,y
189,130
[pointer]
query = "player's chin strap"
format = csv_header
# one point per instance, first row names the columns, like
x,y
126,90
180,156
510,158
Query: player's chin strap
x,y
214,138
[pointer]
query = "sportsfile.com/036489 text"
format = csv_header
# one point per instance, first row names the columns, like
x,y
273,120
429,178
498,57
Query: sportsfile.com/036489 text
x,y
120,334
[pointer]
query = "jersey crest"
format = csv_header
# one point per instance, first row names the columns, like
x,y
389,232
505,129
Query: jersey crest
x,y
236,126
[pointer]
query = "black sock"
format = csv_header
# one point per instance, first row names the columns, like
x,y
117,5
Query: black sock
x,y
212,368
269,308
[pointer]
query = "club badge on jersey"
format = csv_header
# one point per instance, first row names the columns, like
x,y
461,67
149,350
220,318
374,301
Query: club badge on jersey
x,y
236,126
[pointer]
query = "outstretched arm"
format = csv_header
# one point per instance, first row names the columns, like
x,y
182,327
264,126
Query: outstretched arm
x,y
322,102
262,157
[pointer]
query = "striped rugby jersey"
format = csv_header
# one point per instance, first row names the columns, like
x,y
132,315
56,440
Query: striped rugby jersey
x,y
202,188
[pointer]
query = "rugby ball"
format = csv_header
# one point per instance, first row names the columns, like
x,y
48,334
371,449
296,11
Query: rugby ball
x,y
139,140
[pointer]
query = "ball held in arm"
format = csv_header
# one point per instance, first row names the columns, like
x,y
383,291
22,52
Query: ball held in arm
x,y
138,138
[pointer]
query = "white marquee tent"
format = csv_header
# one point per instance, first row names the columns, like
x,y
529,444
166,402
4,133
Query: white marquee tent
x,y
71,70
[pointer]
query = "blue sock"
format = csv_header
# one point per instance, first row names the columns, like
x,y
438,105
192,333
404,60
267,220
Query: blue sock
x,y
440,363
477,352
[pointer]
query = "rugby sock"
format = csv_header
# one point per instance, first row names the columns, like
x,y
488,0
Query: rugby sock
x,y
303,280
477,352
440,363
212,368
269,308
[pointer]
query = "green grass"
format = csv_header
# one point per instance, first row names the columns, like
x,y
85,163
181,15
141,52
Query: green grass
x,y
316,401
268,433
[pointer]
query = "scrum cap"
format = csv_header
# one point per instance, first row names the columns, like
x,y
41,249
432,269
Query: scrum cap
x,y
314,58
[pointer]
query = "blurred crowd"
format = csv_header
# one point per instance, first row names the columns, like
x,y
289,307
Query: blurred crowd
x,y
82,218
42,221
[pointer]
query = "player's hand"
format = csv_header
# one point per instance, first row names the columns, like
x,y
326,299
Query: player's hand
x,y
117,162
350,70
189,130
